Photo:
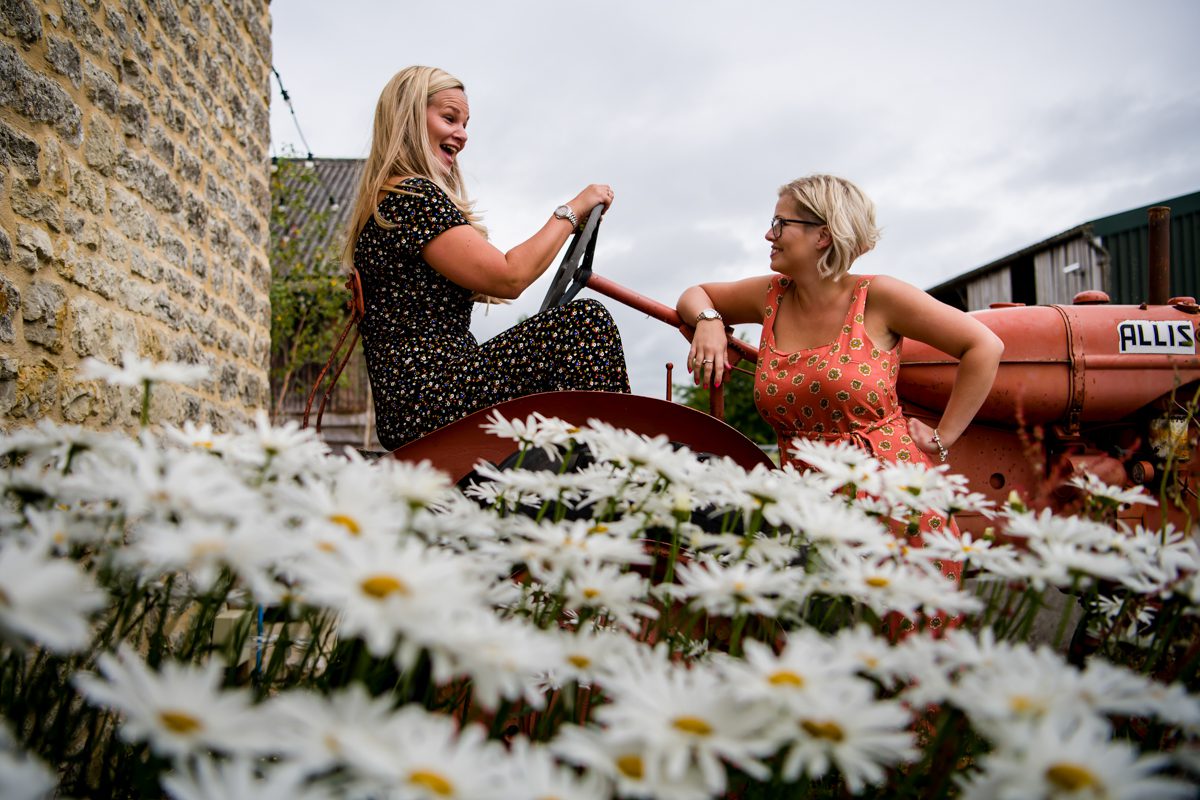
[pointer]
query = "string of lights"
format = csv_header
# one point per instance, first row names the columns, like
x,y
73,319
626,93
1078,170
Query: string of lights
x,y
309,160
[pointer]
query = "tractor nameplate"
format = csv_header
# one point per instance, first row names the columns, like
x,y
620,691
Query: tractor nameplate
x,y
1168,337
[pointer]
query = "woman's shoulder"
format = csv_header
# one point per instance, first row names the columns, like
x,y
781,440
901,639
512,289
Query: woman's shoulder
x,y
409,196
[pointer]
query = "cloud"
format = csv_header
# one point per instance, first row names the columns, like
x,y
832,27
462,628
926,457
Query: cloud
x,y
978,129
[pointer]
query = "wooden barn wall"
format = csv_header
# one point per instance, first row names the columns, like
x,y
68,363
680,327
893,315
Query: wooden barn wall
x,y
1054,285
994,287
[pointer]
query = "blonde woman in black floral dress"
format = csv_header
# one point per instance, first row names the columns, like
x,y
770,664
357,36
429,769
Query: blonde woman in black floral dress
x,y
425,260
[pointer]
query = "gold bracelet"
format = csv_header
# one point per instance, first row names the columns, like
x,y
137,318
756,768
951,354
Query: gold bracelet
x,y
937,439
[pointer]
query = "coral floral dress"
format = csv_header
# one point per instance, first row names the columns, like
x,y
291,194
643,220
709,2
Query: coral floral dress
x,y
843,390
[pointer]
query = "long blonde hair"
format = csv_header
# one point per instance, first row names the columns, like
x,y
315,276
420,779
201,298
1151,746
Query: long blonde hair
x,y
846,211
400,147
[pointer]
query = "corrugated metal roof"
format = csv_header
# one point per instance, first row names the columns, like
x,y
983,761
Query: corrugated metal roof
x,y
1124,237
333,191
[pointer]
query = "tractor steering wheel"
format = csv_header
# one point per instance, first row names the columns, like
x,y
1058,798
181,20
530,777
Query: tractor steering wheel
x,y
576,266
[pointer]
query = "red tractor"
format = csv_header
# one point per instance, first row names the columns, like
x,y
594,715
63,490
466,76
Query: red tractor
x,y
1091,387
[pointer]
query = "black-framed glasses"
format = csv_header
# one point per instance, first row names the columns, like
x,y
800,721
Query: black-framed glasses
x,y
777,224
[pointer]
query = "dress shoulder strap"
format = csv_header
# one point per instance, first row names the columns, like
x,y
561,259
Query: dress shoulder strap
x,y
858,306
775,291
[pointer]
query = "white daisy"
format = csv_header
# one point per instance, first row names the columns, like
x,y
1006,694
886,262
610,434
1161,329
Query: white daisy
x,y
686,718
533,774
135,371
623,761
425,756
240,779
382,589
840,464
180,709
1111,495
850,731
733,589
615,594
320,732
22,776
46,600
535,431
1075,762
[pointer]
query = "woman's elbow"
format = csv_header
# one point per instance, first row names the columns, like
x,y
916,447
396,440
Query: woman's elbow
x,y
990,348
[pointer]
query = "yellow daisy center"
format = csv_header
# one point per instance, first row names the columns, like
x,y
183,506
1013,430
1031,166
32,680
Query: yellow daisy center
x,y
591,594
786,677
179,721
598,528
877,581
432,781
1071,777
1020,704
692,725
579,661
631,766
380,586
823,730
349,523
206,445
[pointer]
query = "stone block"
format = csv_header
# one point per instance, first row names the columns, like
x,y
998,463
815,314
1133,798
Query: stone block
x,y
21,20
162,146
36,97
134,116
83,230
56,172
36,392
79,22
44,313
100,87
34,205
87,190
148,268
10,301
34,247
78,401
195,212
100,146
92,273
98,332
150,181
6,250
9,370
64,56
19,151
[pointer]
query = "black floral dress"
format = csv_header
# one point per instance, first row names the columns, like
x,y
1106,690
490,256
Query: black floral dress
x,y
427,369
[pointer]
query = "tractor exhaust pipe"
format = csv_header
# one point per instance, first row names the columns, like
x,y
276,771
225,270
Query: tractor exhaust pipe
x,y
1160,255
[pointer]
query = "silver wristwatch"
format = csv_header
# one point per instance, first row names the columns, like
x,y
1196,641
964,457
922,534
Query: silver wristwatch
x,y
709,313
564,212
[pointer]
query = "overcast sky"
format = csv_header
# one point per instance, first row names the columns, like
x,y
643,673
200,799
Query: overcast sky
x,y
977,127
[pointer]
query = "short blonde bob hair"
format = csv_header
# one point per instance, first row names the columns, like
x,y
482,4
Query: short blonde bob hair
x,y
400,148
846,211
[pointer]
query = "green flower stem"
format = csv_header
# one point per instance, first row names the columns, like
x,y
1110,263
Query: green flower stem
x,y
145,418
735,637
1065,617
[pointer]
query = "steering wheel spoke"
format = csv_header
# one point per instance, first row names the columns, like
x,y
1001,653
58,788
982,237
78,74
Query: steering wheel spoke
x,y
576,266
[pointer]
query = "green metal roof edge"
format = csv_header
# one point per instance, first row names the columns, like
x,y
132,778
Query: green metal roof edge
x,y
1136,217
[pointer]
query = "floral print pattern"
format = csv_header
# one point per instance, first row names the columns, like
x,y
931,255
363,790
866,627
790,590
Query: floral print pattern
x,y
848,392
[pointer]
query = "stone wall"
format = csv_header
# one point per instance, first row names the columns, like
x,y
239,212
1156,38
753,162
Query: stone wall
x,y
134,203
